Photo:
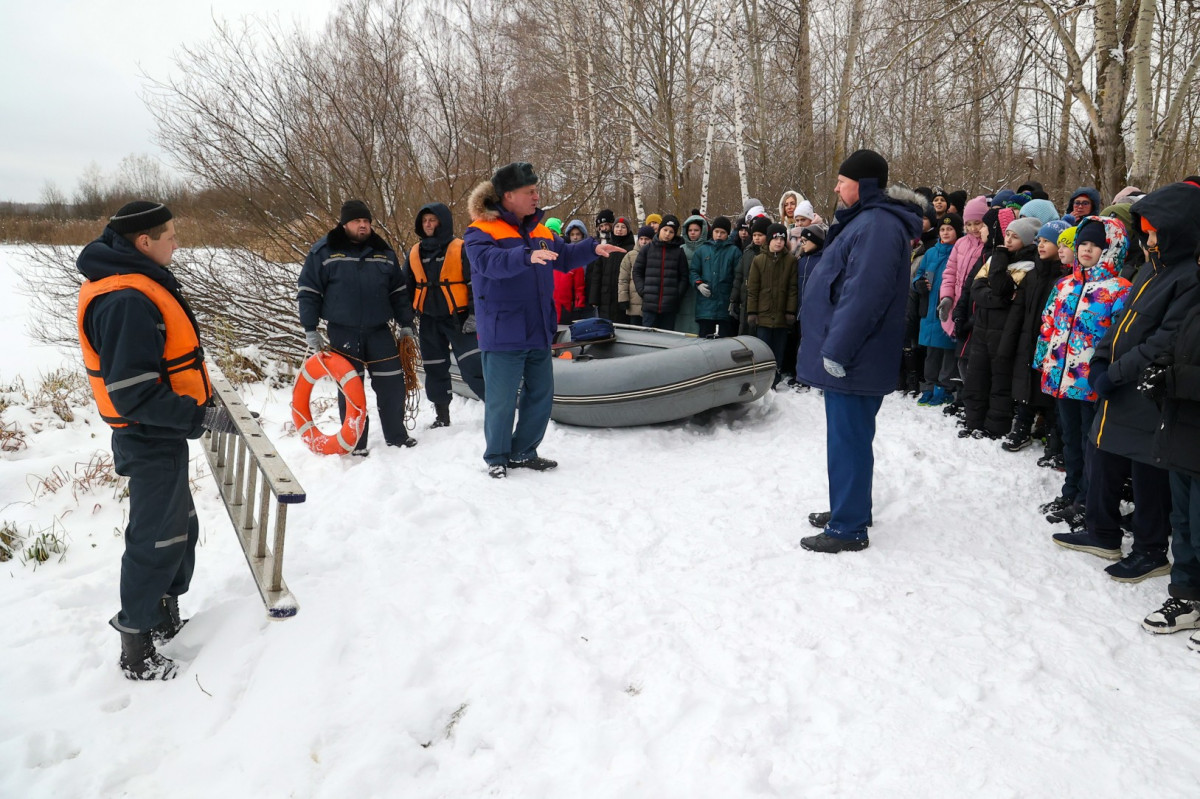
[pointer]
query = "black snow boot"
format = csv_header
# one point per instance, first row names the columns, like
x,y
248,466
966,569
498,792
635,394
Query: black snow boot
x,y
141,661
170,626
443,415
1018,439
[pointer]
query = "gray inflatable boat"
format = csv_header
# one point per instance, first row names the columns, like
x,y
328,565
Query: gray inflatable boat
x,y
646,376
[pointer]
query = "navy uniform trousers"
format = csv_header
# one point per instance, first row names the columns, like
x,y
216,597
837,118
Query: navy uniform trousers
x,y
161,537
438,336
374,349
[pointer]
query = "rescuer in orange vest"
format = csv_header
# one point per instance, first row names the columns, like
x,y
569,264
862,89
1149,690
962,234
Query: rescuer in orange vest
x,y
439,282
141,347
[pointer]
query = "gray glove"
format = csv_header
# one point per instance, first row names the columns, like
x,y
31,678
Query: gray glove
x,y
407,332
943,309
218,420
469,324
315,340
834,368
704,289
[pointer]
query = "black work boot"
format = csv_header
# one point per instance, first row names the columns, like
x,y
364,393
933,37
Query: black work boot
x,y
170,626
442,410
141,661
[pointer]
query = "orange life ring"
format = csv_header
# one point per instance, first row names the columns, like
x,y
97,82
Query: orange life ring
x,y
329,364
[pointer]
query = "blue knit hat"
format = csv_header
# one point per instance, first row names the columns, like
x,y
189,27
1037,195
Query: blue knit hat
x,y
1052,230
1042,210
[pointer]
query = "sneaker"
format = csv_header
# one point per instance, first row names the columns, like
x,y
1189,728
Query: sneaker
x,y
535,463
980,435
361,453
498,471
966,432
1194,642
406,443
1175,615
1058,503
1137,566
1086,542
953,408
1017,441
829,544
925,397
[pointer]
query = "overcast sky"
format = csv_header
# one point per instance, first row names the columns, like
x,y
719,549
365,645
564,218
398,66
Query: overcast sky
x,y
72,79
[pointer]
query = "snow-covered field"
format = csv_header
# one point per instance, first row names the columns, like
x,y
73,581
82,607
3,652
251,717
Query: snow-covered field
x,y
638,623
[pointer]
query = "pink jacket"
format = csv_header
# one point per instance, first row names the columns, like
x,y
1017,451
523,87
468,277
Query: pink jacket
x,y
958,268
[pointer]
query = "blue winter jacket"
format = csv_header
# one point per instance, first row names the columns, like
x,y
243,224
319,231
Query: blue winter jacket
x,y
933,266
352,284
806,264
514,297
854,303
714,263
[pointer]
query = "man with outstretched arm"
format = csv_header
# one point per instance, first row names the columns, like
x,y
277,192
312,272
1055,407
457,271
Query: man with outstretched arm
x,y
512,257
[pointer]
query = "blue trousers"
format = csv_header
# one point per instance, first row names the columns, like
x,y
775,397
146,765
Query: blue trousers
x,y
520,386
1185,537
850,461
161,537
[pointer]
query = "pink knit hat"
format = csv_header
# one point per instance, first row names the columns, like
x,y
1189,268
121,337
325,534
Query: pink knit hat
x,y
975,209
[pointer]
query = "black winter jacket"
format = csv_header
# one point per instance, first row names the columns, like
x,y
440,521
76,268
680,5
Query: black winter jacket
x,y
1177,442
354,285
601,277
660,275
1163,294
1037,288
999,300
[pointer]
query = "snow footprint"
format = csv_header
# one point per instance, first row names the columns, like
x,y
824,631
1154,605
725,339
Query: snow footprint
x,y
49,749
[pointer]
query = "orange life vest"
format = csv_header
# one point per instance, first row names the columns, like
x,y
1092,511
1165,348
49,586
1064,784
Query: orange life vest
x,y
182,359
454,287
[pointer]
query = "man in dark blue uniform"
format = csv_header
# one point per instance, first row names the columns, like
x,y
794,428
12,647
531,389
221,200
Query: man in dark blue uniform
x,y
141,347
352,280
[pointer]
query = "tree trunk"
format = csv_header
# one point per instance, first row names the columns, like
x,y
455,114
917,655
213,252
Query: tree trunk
x,y
846,85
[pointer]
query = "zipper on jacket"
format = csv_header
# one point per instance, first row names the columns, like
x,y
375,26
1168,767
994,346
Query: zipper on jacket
x,y
1117,337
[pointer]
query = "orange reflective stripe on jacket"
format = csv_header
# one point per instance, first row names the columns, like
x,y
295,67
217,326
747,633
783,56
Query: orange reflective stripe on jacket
x,y
182,359
499,229
450,278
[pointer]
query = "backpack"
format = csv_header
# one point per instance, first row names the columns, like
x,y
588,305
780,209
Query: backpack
x,y
594,329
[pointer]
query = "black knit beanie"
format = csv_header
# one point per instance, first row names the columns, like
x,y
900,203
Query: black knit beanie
x,y
953,220
776,230
1091,230
606,216
760,225
864,164
722,223
354,209
671,221
140,215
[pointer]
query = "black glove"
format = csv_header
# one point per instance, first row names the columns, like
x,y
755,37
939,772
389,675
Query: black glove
x,y
1155,381
218,420
1098,377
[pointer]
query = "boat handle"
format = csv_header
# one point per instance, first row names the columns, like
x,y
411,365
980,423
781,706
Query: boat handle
x,y
742,355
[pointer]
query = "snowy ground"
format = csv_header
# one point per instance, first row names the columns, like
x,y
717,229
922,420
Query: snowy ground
x,y
637,623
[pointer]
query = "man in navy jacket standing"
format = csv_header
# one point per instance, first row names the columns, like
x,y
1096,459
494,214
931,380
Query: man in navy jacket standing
x,y
512,256
353,281
852,316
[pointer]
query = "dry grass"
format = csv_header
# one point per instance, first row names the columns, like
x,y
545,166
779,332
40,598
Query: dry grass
x,y
10,541
193,231
60,391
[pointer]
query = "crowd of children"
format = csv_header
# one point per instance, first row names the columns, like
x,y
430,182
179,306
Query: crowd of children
x,y
1078,329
